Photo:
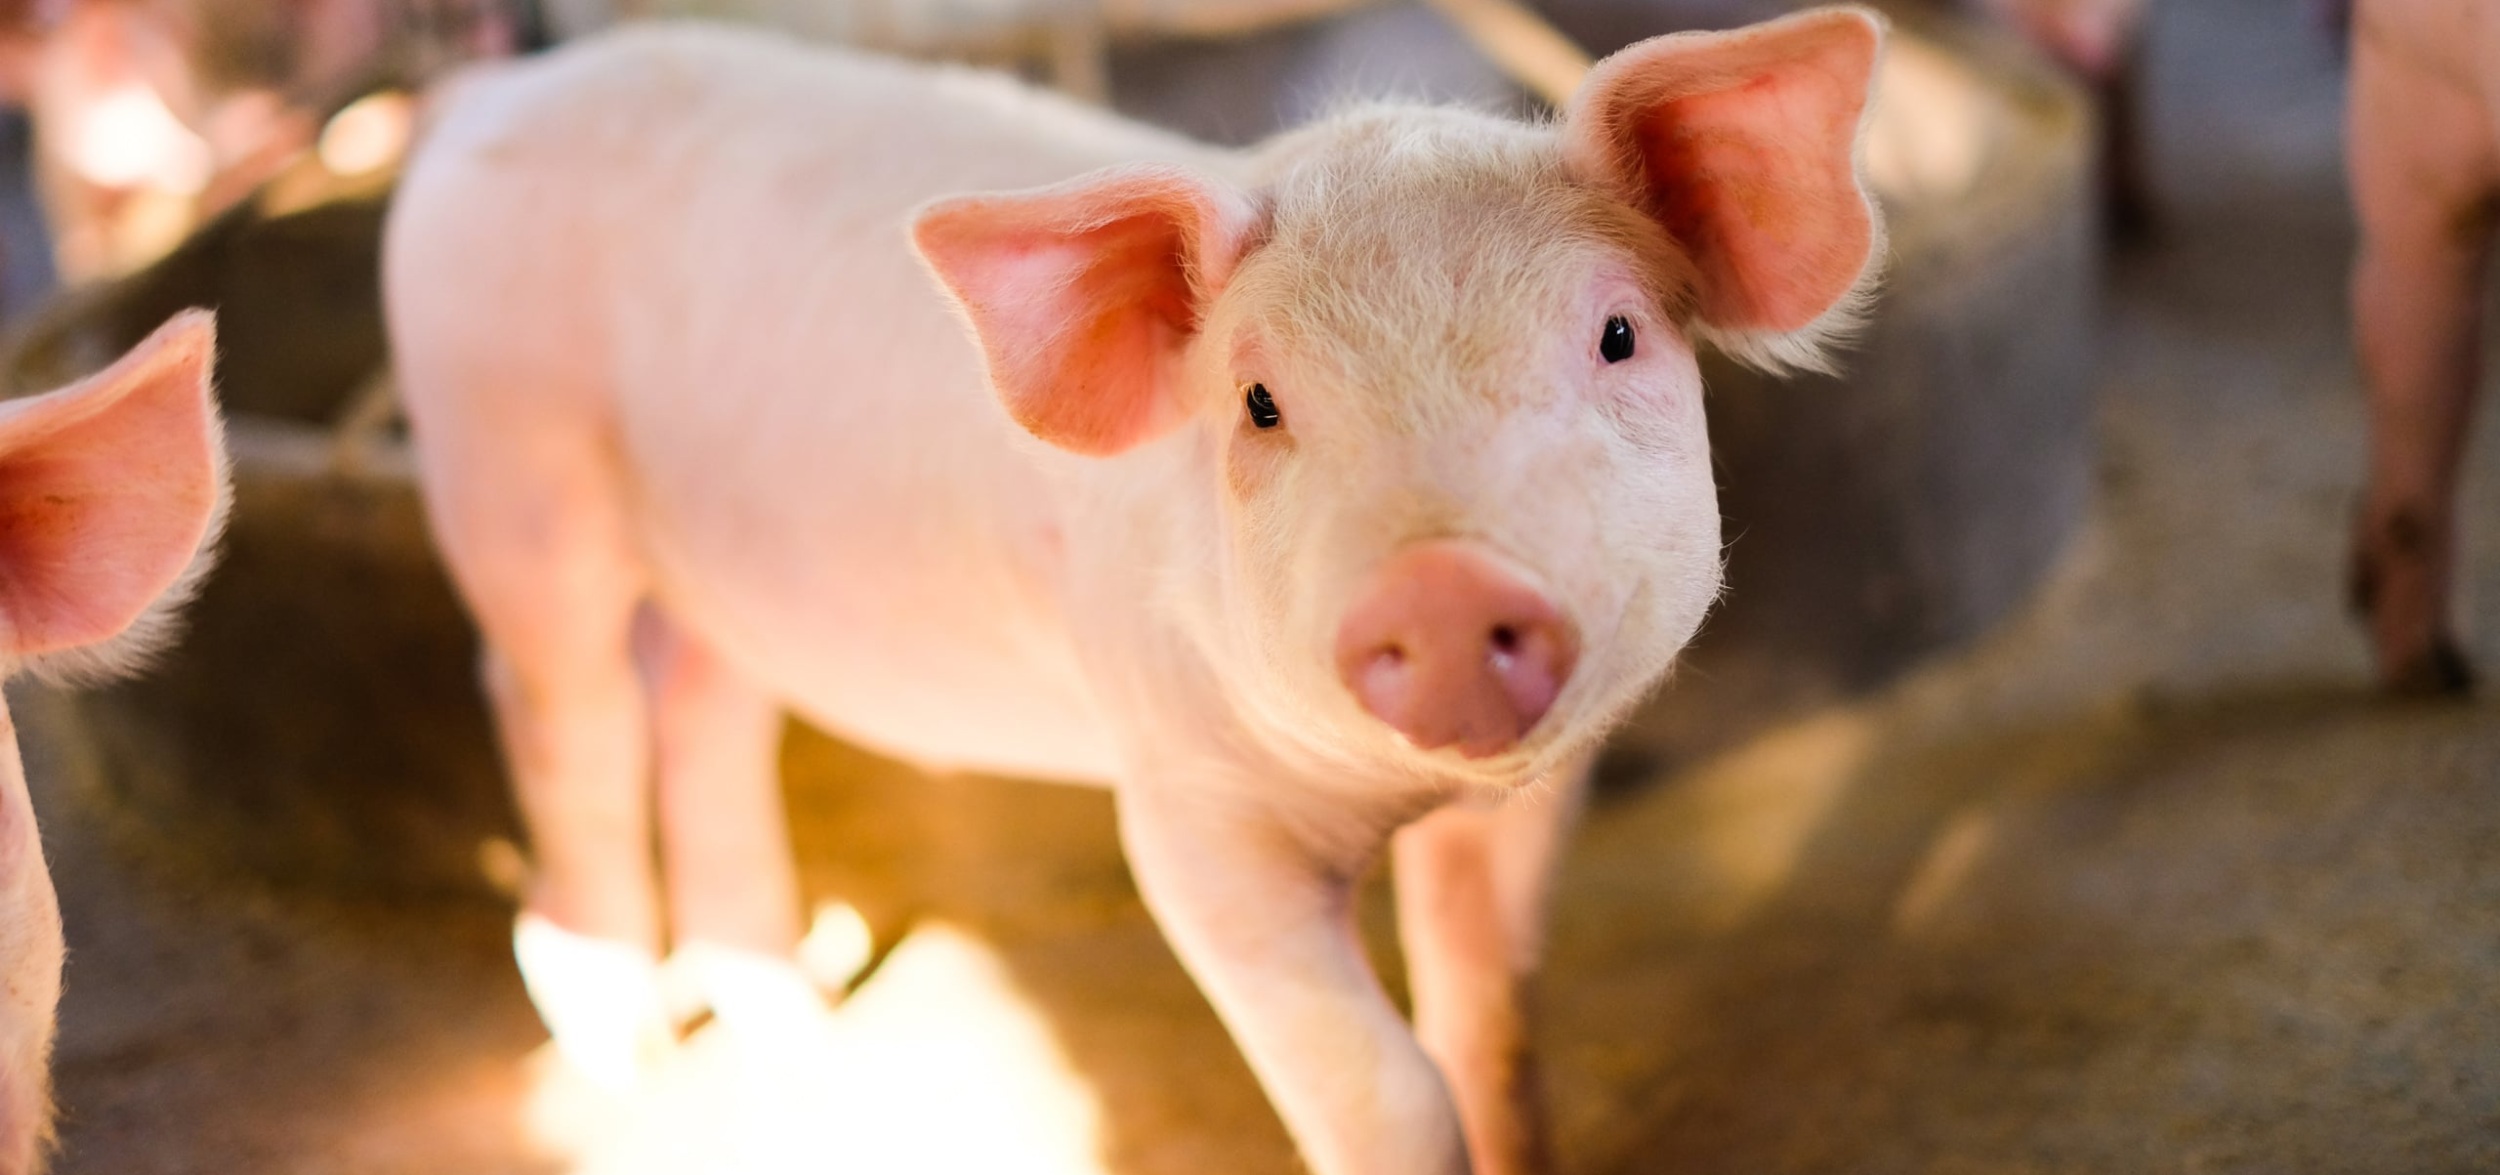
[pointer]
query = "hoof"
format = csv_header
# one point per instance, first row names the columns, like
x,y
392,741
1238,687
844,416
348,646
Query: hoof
x,y
753,995
838,946
2394,584
599,999
2438,671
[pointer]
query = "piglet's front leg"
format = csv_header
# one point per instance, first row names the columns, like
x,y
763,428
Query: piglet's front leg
x,y
1262,918
1472,886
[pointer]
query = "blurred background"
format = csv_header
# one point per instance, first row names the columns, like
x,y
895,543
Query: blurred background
x,y
2025,807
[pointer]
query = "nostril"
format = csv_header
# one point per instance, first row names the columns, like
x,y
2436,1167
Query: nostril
x,y
1452,651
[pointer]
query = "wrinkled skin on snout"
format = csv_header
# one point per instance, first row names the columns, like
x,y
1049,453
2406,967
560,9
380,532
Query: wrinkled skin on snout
x,y
110,494
1322,499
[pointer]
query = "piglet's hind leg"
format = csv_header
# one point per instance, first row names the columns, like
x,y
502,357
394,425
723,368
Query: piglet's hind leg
x,y
527,517
731,885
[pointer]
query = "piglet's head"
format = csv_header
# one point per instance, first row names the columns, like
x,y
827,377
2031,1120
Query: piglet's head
x,y
1432,375
110,491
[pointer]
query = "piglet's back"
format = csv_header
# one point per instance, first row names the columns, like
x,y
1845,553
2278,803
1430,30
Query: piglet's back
x,y
605,201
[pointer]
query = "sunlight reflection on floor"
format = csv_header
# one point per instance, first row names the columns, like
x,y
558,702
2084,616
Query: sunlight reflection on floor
x,y
1764,802
937,1064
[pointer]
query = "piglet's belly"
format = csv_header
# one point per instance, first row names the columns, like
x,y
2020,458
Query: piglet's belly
x,y
907,675
958,718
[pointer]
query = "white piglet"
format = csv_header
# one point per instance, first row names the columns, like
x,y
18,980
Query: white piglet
x,y
1333,494
111,491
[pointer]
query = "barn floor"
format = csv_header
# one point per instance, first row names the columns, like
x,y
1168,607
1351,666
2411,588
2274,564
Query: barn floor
x,y
2145,882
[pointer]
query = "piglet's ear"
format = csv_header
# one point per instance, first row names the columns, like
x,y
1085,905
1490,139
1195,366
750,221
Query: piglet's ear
x,y
109,488
1743,146
1084,295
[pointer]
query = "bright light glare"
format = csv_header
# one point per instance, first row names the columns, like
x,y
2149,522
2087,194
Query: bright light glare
x,y
600,999
750,991
1929,133
936,1065
128,139
837,946
369,135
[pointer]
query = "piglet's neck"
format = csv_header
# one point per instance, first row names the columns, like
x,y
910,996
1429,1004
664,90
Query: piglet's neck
x,y
1136,530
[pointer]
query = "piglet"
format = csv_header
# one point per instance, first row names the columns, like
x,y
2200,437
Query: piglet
x,y
111,491
2424,162
1332,496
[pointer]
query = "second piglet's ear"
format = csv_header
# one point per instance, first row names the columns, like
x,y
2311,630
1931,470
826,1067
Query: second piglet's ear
x,y
1084,295
1743,146
110,489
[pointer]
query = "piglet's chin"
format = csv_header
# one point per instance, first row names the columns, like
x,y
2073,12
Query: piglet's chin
x,y
1545,755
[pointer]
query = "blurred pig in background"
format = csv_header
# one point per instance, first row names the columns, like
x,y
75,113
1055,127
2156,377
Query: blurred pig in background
x,y
150,116
2424,161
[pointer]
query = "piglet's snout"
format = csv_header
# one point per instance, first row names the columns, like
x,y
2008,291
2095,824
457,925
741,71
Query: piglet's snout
x,y
1451,650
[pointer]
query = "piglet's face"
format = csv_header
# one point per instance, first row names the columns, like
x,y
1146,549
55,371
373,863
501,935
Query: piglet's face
x,y
1454,423
1437,373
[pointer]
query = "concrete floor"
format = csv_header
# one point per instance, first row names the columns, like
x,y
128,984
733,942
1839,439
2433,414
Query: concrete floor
x,y
2146,882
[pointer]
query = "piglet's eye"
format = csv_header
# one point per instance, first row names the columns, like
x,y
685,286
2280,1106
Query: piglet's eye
x,y
1615,345
1262,406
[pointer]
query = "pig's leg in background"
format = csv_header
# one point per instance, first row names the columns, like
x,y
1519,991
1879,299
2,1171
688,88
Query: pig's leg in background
x,y
2100,43
1262,916
2126,183
1472,882
2425,176
731,885
525,513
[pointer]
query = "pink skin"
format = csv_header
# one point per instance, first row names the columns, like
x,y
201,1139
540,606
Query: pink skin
x,y
701,439
109,494
2425,173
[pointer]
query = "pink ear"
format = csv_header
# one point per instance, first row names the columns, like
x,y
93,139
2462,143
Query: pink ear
x,y
1743,145
1084,295
107,490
